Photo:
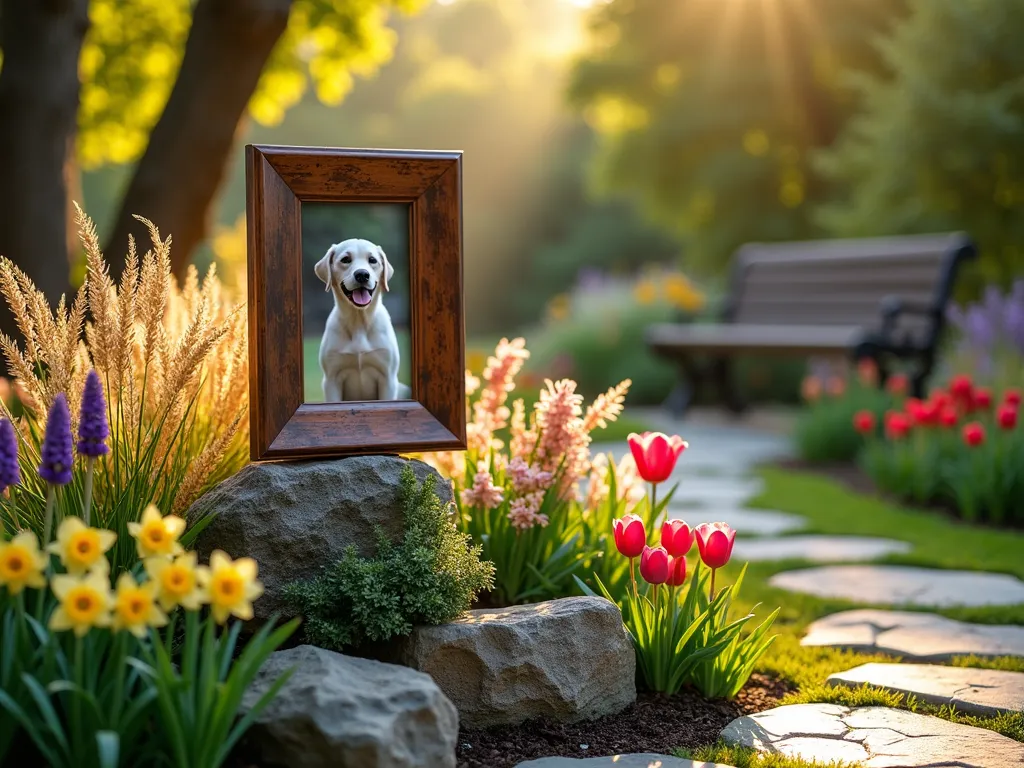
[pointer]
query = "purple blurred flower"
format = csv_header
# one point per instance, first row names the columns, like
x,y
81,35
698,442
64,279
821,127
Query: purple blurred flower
x,y
93,430
996,322
56,466
10,472
590,279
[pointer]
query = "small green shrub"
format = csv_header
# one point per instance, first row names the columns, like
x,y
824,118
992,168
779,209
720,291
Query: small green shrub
x,y
431,576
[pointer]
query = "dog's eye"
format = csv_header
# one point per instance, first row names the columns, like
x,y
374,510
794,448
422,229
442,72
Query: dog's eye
x,y
346,259
373,260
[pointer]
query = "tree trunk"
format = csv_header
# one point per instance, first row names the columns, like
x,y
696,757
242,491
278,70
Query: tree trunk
x,y
41,41
185,161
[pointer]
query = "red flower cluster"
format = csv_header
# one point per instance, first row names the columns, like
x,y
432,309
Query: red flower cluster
x,y
946,409
667,564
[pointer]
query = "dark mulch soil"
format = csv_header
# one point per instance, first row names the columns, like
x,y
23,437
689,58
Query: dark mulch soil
x,y
654,723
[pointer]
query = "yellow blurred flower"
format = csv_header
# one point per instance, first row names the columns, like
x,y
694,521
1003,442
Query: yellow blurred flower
x,y
22,563
681,293
157,536
645,292
559,307
135,606
81,548
476,360
230,586
177,581
84,602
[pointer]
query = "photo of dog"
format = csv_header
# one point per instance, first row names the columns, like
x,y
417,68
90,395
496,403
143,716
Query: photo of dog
x,y
359,353
355,302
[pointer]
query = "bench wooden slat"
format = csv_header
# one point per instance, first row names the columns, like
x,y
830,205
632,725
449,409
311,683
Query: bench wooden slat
x,y
788,339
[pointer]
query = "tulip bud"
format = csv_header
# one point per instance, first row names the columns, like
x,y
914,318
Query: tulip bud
x,y
1007,416
654,565
630,536
715,542
676,537
974,434
864,422
676,571
655,454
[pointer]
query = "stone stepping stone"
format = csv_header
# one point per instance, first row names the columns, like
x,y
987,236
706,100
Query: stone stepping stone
x,y
875,737
819,549
714,491
977,691
903,585
645,760
914,636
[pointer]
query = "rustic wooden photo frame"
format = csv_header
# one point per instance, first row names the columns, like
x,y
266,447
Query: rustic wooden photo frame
x,y
279,180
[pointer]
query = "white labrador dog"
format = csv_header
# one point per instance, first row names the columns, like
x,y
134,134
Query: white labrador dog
x,y
359,352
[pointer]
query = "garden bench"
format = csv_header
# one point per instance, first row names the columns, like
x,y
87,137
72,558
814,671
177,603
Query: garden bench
x,y
878,298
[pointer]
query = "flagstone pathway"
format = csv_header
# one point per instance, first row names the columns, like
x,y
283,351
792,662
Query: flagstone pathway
x,y
875,737
645,760
913,636
977,691
716,480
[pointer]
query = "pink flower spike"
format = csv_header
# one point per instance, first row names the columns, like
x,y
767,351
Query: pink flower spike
x,y
714,542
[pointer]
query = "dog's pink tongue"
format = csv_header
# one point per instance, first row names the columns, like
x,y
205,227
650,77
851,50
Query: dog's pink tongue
x,y
361,296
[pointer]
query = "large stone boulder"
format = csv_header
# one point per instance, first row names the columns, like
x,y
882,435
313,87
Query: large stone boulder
x,y
567,659
345,712
296,518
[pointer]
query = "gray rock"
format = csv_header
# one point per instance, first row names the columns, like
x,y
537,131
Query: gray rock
x,y
567,659
343,712
912,635
978,691
819,549
875,737
646,760
296,518
903,585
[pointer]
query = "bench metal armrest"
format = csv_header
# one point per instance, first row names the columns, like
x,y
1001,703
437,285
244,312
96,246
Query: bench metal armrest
x,y
894,306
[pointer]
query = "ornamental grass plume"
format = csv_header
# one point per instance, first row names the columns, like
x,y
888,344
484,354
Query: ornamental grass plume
x,y
171,363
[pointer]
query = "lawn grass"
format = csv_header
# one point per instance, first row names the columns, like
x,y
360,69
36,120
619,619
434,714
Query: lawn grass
x,y
938,542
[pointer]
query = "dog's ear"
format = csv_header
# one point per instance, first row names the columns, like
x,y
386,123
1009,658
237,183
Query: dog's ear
x,y
323,268
389,271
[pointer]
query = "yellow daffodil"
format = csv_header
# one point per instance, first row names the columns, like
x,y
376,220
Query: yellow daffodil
x,y
82,548
84,602
645,292
22,563
157,536
230,586
176,581
135,606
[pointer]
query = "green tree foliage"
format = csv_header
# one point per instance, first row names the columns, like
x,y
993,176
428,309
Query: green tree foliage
x,y
940,142
709,110
431,576
133,50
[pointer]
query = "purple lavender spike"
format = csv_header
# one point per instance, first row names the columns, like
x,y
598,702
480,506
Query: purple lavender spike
x,y
93,430
10,471
56,453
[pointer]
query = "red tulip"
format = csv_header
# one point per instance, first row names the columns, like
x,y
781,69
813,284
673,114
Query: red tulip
x,y
864,422
948,416
897,384
836,387
1012,397
655,454
810,389
654,565
983,397
974,434
676,571
630,536
961,387
676,537
897,425
923,412
1007,416
714,541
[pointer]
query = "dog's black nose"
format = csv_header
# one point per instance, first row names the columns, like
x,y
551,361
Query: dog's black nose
x,y
362,276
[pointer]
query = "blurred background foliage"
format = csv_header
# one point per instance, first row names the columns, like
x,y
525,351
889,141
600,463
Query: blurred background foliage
x,y
616,151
